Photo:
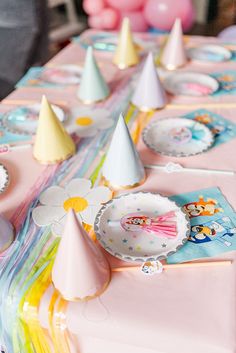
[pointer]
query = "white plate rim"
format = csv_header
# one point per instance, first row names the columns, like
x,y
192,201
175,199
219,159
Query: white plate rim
x,y
173,76
190,53
154,149
7,178
22,132
140,259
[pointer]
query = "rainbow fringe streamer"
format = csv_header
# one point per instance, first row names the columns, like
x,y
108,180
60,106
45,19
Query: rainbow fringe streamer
x,y
25,268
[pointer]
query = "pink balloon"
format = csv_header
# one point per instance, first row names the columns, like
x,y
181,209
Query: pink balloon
x,y
95,21
110,18
93,7
137,20
126,5
161,14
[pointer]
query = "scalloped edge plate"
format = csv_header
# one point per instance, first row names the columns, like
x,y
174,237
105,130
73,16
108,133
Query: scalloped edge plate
x,y
144,202
153,146
61,114
197,53
172,81
4,178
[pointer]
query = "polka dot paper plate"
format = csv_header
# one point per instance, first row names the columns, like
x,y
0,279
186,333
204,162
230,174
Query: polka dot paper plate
x,y
190,84
139,245
23,120
4,178
209,53
177,137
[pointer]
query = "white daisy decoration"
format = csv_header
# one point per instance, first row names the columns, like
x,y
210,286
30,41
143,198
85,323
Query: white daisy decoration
x,y
87,122
78,194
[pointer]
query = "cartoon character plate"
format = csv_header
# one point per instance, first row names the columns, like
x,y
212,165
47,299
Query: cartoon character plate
x,y
4,178
209,53
177,137
23,120
63,74
137,244
190,84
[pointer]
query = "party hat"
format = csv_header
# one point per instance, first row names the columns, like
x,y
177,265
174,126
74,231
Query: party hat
x,y
126,53
122,167
80,270
174,54
93,87
149,93
6,234
52,143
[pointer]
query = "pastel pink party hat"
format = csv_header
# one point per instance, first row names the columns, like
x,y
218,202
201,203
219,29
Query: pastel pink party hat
x,y
149,93
174,54
80,270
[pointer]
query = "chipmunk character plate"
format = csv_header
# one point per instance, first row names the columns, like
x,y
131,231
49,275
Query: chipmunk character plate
x,y
177,137
141,227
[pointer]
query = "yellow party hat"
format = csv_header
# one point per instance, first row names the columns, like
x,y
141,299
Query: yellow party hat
x,y
126,54
52,143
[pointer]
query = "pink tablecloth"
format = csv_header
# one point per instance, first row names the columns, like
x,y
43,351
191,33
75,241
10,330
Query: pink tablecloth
x,y
184,310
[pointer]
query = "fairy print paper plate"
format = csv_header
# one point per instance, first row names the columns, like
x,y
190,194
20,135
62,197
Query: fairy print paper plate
x,y
63,74
4,178
139,246
177,137
190,84
23,120
209,53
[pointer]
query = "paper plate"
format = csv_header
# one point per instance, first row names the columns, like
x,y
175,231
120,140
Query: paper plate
x,y
190,84
209,53
4,178
178,137
63,74
6,234
139,246
23,120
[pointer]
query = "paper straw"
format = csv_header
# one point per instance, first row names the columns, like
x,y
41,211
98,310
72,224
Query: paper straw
x,y
184,169
176,266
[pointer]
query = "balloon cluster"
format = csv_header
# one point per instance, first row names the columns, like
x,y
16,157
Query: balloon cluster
x,y
160,14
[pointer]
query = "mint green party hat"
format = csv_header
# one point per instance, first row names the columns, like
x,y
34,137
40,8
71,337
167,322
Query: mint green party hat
x,y
93,87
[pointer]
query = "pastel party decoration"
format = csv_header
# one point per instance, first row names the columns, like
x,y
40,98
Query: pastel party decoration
x,y
122,167
137,20
126,54
162,225
80,270
173,55
87,122
125,5
52,143
92,7
6,233
55,202
107,18
136,243
4,178
93,87
161,14
149,93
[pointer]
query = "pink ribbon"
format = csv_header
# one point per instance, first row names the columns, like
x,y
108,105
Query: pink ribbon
x,y
163,225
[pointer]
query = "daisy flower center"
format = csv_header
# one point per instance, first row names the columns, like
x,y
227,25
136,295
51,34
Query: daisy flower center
x,y
84,121
77,203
